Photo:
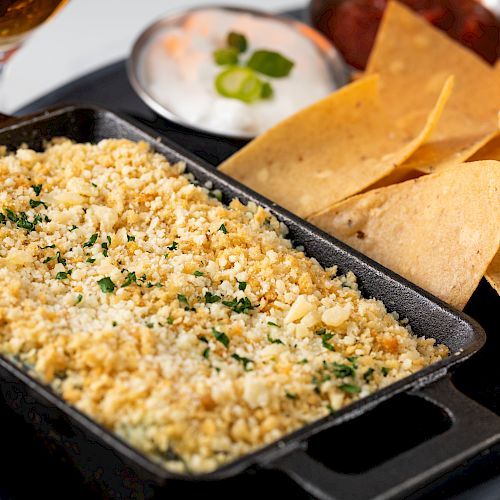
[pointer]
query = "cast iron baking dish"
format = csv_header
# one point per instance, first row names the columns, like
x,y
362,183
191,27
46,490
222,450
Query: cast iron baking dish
x,y
122,472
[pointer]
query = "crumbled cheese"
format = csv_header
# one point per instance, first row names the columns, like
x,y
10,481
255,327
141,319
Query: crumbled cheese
x,y
104,299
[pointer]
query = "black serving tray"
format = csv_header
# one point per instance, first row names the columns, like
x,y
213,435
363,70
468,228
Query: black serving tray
x,y
33,465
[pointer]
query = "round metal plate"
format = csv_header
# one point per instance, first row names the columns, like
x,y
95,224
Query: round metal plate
x,y
336,66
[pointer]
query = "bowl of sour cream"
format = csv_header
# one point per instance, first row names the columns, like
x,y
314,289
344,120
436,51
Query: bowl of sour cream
x,y
231,71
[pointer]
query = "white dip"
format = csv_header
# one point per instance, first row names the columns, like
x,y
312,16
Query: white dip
x,y
179,72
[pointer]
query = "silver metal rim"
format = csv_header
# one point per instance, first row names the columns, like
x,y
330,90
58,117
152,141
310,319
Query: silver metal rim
x,y
335,64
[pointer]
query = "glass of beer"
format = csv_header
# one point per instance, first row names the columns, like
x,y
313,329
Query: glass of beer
x,y
18,19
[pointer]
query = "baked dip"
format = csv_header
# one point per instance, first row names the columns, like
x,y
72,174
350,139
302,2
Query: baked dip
x,y
191,329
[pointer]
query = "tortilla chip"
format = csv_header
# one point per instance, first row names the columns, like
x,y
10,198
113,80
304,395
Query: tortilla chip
x,y
493,273
330,150
440,231
413,60
490,151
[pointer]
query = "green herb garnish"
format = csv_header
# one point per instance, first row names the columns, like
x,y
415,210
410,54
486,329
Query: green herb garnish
x,y
90,260
72,228
220,337
37,203
79,299
183,300
131,278
60,260
37,188
385,371
239,306
223,228
226,56
291,395
173,246
242,285
170,320
350,388
341,371
237,41
270,323
106,285
270,63
48,246
91,241
274,341
211,299
368,375
198,274
266,91
47,259
244,361
206,352
130,238
62,275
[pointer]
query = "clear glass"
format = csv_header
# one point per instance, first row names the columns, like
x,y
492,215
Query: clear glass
x,y
18,19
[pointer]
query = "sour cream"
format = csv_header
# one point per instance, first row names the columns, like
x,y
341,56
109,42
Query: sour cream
x,y
179,71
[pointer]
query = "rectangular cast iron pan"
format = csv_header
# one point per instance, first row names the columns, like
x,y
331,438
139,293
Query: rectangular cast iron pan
x,y
122,472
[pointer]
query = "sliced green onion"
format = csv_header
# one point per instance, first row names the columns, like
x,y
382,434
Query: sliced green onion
x,y
239,83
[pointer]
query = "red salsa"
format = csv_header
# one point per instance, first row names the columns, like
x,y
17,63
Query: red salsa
x,y
352,24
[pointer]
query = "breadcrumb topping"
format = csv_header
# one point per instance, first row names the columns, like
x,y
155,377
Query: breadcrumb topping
x,y
191,329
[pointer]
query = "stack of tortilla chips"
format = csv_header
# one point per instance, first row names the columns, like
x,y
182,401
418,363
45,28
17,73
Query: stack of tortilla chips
x,y
402,164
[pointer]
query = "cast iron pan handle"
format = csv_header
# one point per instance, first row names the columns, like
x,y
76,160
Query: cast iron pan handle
x,y
473,429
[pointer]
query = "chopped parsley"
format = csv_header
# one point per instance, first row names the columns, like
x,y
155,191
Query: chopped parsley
x,y
62,275
325,337
211,299
150,325
206,352
131,278
79,298
274,341
198,274
60,260
72,228
385,371
106,285
37,203
182,299
47,259
270,323
350,388
173,246
239,306
223,228
3,219
37,188
105,248
91,241
341,371
48,246
220,337
90,260
242,285
151,285
130,238
22,221
291,395
244,361
368,375
114,323
303,361
170,320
